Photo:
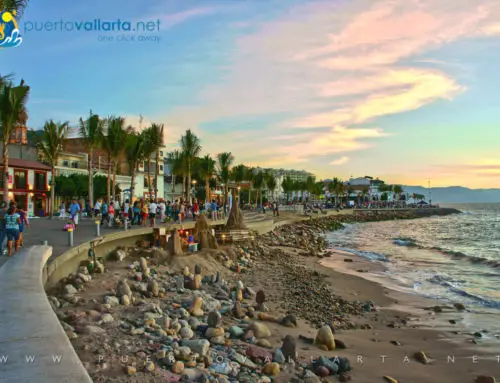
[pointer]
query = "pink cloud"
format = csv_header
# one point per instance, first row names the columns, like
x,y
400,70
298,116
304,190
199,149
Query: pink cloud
x,y
352,51
340,161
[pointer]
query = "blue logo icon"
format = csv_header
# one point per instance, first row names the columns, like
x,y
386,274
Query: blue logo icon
x,y
9,30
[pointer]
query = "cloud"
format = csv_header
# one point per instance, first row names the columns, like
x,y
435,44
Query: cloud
x,y
171,19
335,67
340,161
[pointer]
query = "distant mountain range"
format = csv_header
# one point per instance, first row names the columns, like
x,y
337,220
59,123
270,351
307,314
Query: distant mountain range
x,y
456,194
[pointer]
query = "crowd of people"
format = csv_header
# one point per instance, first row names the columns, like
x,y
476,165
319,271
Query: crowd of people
x,y
141,212
13,221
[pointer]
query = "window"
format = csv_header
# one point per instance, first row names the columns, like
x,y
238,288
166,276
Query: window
x,y
20,179
161,154
75,165
65,163
40,181
161,167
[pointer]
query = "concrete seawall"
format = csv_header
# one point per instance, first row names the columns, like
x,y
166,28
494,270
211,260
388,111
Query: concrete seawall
x,y
33,345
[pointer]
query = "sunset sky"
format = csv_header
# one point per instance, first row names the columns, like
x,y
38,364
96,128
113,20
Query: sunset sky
x,y
405,90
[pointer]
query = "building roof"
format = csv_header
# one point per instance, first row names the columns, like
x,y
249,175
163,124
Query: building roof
x,y
26,164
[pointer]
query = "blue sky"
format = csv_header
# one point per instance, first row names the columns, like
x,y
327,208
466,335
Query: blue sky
x,y
339,88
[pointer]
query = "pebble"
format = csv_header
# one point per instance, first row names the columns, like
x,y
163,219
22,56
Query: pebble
x,y
131,370
325,338
272,369
421,357
289,348
260,330
214,319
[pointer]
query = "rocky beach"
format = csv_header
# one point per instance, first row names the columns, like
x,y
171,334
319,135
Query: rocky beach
x,y
261,311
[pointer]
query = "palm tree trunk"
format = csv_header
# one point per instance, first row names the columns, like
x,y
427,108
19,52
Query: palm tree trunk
x,y
114,180
52,191
132,184
91,179
261,194
150,187
157,172
108,183
188,192
5,155
207,189
184,186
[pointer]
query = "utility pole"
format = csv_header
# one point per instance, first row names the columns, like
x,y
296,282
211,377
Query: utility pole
x,y
429,189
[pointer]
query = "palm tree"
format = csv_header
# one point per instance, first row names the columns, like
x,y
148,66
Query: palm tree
x,y
224,163
238,175
207,171
175,160
191,148
287,185
91,131
160,130
114,144
250,177
13,100
398,190
50,146
135,154
16,7
271,184
152,143
259,183
365,191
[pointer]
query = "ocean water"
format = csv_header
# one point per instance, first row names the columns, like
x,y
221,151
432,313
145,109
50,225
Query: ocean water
x,y
454,258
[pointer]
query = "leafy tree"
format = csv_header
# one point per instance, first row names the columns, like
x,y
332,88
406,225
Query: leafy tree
x,y
175,160
50,147
13,99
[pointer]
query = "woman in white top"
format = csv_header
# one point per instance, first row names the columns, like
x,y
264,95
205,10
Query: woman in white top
x,y
62,211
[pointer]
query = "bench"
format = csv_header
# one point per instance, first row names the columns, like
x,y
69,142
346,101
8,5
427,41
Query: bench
x,y
233,235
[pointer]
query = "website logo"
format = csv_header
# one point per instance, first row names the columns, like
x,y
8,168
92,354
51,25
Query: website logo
x,y
9,30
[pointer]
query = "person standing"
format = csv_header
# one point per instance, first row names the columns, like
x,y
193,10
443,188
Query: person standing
x,y
12,222
97,208
153,207
214,208
276,212
74,211
163,208
62,211
144,213
196,209
3,212
111,214
104,212
182,212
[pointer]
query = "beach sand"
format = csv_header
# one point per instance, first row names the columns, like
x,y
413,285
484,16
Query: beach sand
x,y
400,317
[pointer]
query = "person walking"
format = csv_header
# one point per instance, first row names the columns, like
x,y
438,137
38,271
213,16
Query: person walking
x,y
214,208
23,216
182,212
74,211
276,212
196,209
163,209
12,222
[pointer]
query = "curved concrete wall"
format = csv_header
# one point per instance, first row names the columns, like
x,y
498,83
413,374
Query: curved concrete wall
x,y
33,345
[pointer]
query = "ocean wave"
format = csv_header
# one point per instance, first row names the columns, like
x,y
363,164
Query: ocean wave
x,y
365,254
404,242
470,258
454,286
